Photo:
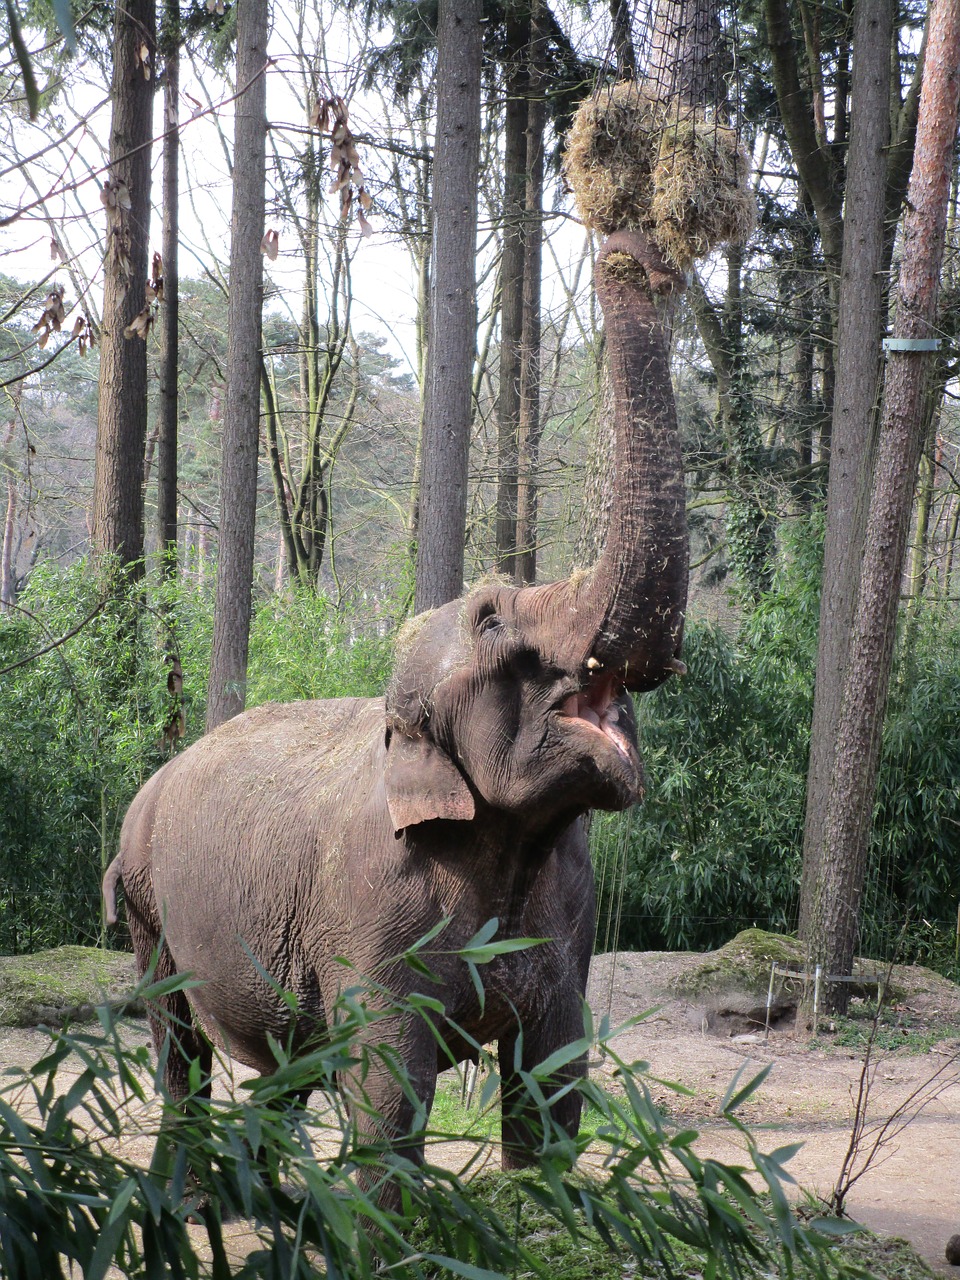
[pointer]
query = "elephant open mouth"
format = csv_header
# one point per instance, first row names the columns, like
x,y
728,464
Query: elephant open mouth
x,y
595,708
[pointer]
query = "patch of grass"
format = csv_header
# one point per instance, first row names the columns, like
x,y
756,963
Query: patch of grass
x,y
61,984
896,1029
587,1256
554,1249
885,1257
451,1118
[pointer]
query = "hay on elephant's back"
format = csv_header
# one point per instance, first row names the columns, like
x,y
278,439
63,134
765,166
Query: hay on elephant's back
x,y
702,195
610,152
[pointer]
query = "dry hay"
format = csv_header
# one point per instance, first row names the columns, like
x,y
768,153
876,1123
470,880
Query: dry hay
x,y
702,195
635,162
611,149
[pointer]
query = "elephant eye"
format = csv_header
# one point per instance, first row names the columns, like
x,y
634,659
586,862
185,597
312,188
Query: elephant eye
x,y
492,622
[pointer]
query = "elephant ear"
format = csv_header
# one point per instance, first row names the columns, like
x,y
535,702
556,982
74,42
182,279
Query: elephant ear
x,y
423,783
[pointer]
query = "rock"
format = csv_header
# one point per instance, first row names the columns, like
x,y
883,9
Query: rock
x,y
740,967
63,984
953,1251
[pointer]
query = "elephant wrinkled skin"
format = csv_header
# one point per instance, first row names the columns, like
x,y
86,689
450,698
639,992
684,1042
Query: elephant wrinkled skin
x,y
349,828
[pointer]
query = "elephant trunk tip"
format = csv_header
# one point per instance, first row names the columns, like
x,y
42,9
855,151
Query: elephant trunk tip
x,y
636,676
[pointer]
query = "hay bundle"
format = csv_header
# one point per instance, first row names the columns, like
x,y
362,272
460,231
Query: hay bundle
x,y
635,162
701,190
611,149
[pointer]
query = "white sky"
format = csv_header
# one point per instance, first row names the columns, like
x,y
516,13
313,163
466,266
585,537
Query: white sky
x,y
384,288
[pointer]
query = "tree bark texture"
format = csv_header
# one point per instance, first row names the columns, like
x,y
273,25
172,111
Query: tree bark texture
x,y
241,434
814,163
849,814
170,308
117,525
529,425
8,592
622,39
684,58
861,319
511,286
448,409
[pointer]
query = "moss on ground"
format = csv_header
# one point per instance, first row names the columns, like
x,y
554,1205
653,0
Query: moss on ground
x,y
62,984
741,965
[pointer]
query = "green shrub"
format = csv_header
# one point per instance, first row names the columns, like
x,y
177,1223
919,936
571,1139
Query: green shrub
x,y
69,1197
716,847
301,647
82,724
80,729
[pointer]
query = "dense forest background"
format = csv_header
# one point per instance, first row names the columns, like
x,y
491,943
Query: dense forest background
x,y
94,697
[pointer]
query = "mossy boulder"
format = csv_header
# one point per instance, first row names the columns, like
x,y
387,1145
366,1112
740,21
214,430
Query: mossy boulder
x,y
63,984
741,966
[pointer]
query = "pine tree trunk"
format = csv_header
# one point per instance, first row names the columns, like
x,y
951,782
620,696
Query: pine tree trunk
x,y
170,309
241,434
448,410
860,326
8,592
834,914
529,424
117,525
511,286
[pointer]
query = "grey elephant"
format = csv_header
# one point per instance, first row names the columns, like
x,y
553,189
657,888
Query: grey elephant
x,y
348,828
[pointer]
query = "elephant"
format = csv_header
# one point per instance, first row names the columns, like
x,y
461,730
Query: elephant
x,y
294,835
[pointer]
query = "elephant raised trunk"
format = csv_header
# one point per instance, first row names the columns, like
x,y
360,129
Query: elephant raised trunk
x,y
623,620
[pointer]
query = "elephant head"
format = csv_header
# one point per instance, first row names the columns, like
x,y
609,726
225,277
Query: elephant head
x,y
516,697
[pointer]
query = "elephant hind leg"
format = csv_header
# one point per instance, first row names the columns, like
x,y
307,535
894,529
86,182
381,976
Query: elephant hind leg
x,y
171,1015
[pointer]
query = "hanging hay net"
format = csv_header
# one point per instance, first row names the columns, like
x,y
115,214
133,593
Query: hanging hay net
x,y
655,155
702,195
610,154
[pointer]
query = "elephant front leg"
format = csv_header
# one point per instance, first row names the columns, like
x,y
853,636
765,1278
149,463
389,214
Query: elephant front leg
x,y
389,1094
525,1127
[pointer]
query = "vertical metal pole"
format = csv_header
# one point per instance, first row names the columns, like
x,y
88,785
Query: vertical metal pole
x,y
816,995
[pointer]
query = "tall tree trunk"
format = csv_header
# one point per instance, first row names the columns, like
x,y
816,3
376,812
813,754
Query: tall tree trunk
x,y
170,309
835,901
517,83
685,47
860,326
529,425
448,409
8,589
241,434
117,526
622,38
8,593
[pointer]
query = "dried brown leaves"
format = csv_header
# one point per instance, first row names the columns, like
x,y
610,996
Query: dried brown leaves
x,y
330,116
115,198
270,245
142,322
51,321
142,59
155,283
53,315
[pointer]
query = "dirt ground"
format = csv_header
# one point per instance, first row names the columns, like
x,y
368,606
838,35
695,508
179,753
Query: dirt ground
x,y
913,1188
